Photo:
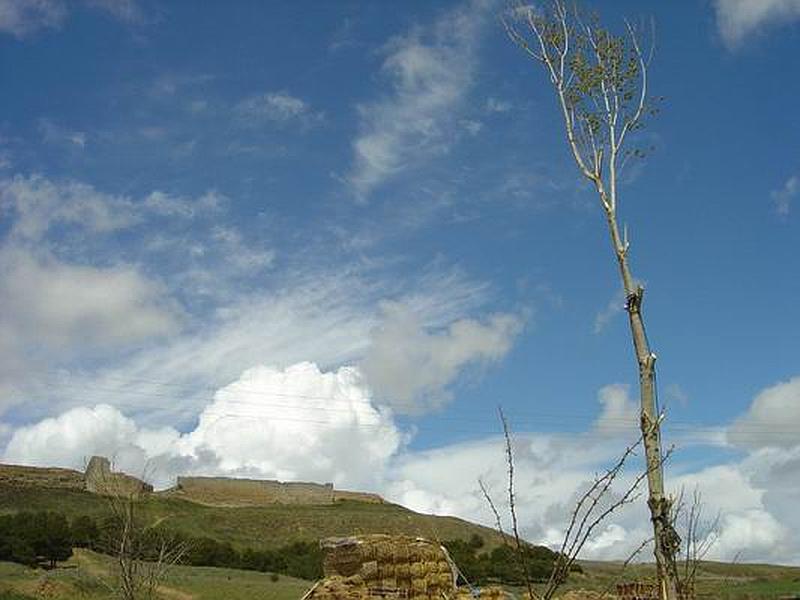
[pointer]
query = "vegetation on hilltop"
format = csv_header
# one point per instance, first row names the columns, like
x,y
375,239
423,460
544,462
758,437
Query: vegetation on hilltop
x,y
262,527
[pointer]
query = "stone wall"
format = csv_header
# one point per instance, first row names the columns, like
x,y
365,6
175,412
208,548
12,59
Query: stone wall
x,y
257,492
252,492
100,479
19,476
357,496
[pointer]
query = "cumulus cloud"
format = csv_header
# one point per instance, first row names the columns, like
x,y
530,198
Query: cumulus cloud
x,y
73,437
430,72
773,418
277,107
410,366
49,303
784,196
620,411
22,18
297,423
738,19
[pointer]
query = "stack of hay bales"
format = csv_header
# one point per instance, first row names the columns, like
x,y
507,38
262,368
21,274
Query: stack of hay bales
x,y
385,565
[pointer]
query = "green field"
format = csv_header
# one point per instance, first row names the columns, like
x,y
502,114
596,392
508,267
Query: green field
x,y
256,527
87,576
721,581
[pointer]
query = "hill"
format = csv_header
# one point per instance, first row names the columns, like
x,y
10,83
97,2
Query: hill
x,y
87,575
266,527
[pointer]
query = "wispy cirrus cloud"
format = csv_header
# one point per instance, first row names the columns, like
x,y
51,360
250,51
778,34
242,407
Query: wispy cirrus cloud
x,y
739,19
126,11
23,18
278,107
784,196
430,72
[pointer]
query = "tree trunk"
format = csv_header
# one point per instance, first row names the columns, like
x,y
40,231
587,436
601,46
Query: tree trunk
x,y
667,541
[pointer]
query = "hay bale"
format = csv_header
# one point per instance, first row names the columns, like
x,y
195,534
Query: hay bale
x,y
369,570
399,566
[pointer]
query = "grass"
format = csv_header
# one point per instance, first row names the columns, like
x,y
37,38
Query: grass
x,y
718,581
88,575
257,527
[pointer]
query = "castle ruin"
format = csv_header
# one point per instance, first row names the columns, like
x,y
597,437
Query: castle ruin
x,y
260,492
99,478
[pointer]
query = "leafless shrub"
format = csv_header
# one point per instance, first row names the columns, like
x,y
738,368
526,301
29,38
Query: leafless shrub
x,y
593,507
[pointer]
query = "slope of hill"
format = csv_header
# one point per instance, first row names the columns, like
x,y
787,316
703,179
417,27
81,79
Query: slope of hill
x,y
88,576
257,526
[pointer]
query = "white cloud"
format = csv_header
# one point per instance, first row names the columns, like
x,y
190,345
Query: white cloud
x,y
169,205
22,18
783,197
496,105
614,307
50,304
53,133
293,424
620,412
322,316
37,204
73,437
738,19
127,11
410,366
277,107
773,418
430,72
473,127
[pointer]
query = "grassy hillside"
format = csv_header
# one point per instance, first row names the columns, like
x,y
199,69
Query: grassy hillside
x,y
257,527
718,581
87,576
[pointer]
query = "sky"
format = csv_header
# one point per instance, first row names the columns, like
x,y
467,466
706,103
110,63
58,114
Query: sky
x,y
326,240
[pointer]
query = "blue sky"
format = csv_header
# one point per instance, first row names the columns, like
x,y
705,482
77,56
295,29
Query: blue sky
x,y
358,225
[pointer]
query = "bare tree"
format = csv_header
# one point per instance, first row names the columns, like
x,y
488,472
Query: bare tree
x,y
595,505
699,536
600,81
143,551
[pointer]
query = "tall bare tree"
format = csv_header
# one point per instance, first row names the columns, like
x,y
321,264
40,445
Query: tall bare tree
x,y
600,82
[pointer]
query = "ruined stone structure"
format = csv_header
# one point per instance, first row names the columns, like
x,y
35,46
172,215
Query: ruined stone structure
x,y
217,491
19,476
257,492
100,479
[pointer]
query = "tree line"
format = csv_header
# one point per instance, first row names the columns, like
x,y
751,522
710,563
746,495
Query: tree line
x,y
47,537
481,566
